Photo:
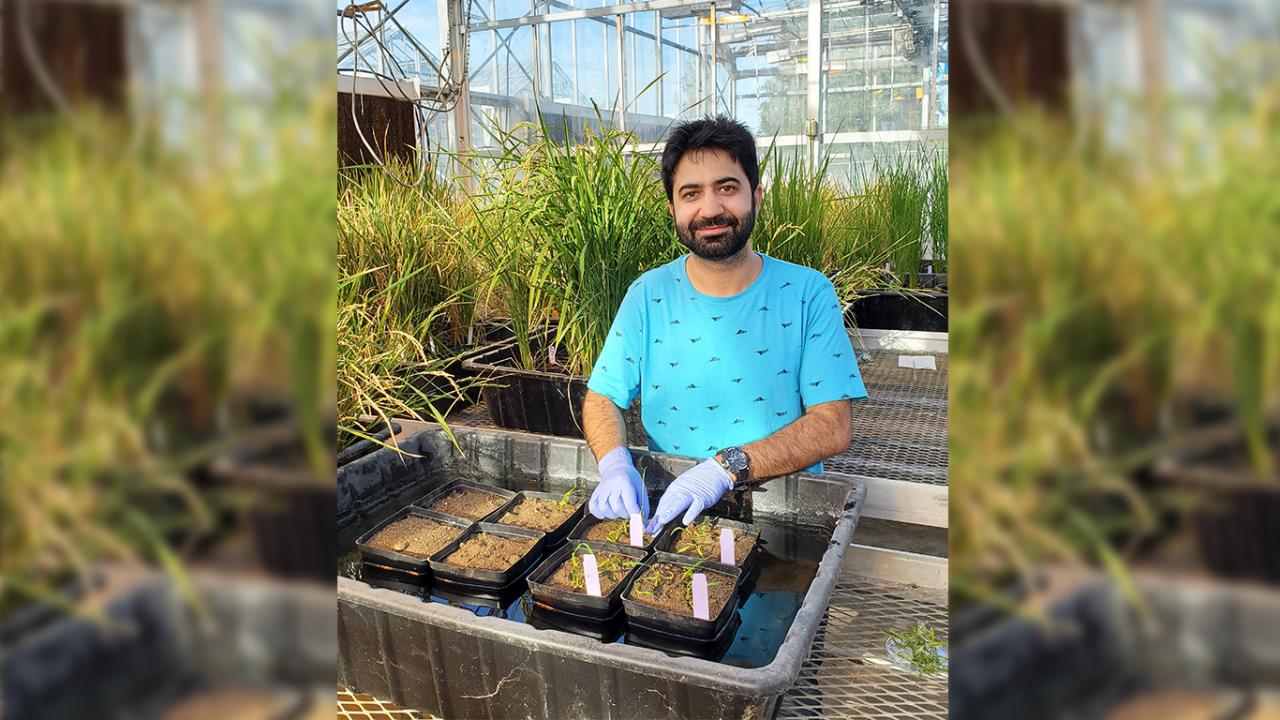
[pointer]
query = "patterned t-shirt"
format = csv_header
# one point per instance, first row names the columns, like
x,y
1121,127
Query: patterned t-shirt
x,y
714,372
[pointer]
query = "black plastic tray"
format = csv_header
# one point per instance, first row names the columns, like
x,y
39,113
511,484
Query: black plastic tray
x,y
360,448
667,543
425,501
712,649
556,536
410,566
606,631
579,532
482,580
651,618
582,604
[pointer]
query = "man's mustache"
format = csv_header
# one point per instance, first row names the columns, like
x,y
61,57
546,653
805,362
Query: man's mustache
x,y
729,220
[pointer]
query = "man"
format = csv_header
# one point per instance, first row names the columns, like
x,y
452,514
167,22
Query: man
x,y
737,357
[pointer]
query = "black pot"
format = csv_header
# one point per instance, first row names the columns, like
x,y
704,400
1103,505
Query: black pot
x,y
668,543
675,644
360,448
606,631
388,565
471,580
540,402
579,533
647,617
507,496
581,604
1238,525
291,521
556,536
921,311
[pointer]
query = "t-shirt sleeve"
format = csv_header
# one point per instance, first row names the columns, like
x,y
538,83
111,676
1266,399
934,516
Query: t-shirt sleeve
x,y
828,365
616,374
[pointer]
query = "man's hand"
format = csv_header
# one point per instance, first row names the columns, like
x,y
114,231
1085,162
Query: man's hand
x,y
697,489
621,489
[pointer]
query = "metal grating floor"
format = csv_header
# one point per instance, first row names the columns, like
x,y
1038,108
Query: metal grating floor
x,y
847,674
899,431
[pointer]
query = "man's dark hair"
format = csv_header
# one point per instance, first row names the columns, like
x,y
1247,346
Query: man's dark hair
x,y
710,133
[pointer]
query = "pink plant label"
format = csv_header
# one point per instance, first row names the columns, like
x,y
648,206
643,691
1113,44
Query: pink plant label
x,y
592,573
726,546
551,355
700,604
637,531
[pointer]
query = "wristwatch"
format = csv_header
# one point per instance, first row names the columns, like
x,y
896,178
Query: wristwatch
x,y
736,463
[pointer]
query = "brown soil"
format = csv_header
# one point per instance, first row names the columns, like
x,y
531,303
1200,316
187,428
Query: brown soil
x,y
612,571
617,532
705,539
538,514
484,551
468,503
671,591
416,536
226,703
1172,705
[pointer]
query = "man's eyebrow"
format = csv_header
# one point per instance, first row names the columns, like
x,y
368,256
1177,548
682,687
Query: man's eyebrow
x,y
728,179
721,181
688,186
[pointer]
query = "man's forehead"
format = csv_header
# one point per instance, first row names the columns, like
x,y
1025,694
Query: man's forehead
x,y
707,165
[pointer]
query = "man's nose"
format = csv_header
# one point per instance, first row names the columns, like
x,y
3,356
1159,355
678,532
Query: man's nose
x,y
712,206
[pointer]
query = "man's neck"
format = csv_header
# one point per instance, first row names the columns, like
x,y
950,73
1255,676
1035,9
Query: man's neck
x,y
724,278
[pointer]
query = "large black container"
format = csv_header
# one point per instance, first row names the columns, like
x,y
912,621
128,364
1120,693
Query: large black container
x,y
579,532
668,542
1237,520
487,581
557,535
395,566
360,448
581,604
455,386
507,496
661,621
924,311
446,661
540,402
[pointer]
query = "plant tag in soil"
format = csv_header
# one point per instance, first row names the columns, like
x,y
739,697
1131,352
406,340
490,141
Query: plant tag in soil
x,y
700,604
551,355
637,531
726,546
592,574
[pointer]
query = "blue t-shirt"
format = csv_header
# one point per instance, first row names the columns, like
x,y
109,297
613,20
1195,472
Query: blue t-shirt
x,y
715,372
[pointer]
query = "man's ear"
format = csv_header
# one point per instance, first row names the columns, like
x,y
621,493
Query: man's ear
x,y
671,208
759,194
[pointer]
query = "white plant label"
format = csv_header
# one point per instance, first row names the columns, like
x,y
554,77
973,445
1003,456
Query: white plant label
x,y
592,573
918,362
551,355
470,334
700,604
637,531
726,546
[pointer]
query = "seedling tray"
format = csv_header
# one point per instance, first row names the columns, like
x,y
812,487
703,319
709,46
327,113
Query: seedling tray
x,y
579,533
648,617
581,604
445,661
561,531
493,581
413,570
668,542
508,496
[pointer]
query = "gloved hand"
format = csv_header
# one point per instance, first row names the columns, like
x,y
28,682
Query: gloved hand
x,y
697,489
621,489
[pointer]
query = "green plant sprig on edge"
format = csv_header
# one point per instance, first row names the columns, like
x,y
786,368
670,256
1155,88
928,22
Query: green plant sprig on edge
x,y
921,647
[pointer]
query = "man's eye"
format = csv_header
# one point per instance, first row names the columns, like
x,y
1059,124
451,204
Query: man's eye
x,y
728,188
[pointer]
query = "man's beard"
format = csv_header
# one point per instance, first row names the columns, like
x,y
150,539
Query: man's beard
x,y
721,246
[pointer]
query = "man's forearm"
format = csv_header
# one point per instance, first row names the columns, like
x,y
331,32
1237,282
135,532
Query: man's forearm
x,y
821,432
602,424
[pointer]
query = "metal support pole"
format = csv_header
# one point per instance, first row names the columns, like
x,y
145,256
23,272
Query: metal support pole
x,y
714,39
621,102
453,36
659,86
813,98
573,45
933,66
537,56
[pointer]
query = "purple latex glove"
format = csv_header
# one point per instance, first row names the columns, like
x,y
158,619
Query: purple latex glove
x,y
697,489
621,489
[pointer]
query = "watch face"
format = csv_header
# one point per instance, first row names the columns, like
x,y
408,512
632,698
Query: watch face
x,y
735,459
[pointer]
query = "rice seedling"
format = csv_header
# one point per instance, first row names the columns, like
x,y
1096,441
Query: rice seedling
x,y
921,646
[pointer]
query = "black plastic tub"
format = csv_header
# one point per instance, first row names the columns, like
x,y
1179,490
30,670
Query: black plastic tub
x,y
607,630
547,403
466,580
919,310
507,496
399,566
712,649
581,604
448,661
360,448
647,617
579,533
667,543
557,535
